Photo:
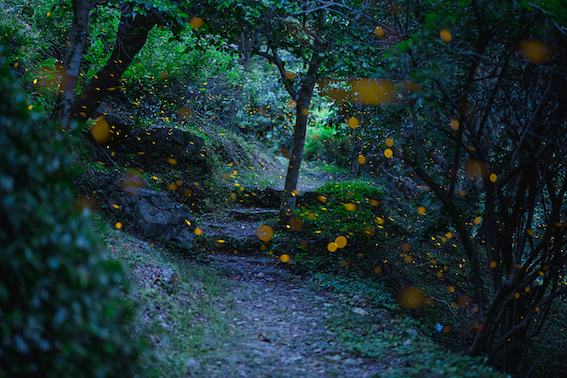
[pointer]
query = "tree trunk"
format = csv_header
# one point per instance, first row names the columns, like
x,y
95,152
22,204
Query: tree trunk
x,y
131,37
287,206
72,62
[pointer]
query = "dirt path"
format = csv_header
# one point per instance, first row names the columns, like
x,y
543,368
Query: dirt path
x,y
283,327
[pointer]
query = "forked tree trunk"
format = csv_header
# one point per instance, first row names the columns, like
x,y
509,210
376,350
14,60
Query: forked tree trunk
x,y
131,37
72,61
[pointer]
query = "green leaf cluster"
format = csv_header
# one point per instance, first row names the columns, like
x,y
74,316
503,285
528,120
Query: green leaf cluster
x,y
62,311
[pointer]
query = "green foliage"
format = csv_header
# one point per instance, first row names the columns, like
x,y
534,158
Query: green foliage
x,y
348,209
352,191
352,284
183,78
397,342
326,145
267,110
62,306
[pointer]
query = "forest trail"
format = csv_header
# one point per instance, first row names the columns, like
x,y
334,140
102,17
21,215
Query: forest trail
x,y
282,326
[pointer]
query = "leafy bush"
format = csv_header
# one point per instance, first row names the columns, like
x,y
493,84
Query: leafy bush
x,y
61,303
347,210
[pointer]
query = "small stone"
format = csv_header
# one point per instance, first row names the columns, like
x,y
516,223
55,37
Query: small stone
x,y
192,362
360,311
260,275
407,342
411,332
351,361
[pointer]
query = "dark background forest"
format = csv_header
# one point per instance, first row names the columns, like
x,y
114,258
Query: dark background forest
x,y
402,161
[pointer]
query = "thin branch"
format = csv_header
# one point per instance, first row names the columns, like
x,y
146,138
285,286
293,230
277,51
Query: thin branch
x,y
275,58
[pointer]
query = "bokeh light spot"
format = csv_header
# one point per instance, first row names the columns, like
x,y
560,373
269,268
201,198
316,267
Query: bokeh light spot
x,y
378,31
284,258
350,206
196,23
421,210
371,91
100,130
353,123
475,169
341,242
295,223
265,233
131,181
388,153
534,51
290,75
118,225
445,35
463,301
411,297
389,142
332,247
454,124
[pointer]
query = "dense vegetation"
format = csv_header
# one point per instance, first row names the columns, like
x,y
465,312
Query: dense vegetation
x,y
62,305
445,121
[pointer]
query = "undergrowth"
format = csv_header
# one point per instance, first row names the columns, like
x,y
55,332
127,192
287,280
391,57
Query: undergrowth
x,y
184,308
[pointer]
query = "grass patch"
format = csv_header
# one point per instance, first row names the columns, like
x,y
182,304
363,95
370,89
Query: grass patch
x,y
183,308
389,336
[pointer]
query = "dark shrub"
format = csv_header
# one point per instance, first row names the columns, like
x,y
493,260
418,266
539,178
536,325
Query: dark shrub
x,y
62,312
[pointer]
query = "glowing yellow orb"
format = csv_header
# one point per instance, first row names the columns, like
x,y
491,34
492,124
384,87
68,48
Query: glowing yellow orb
x,y
378,31
100,130
445,35
196,23
454,124
350,206
353,123
265,233
341,242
